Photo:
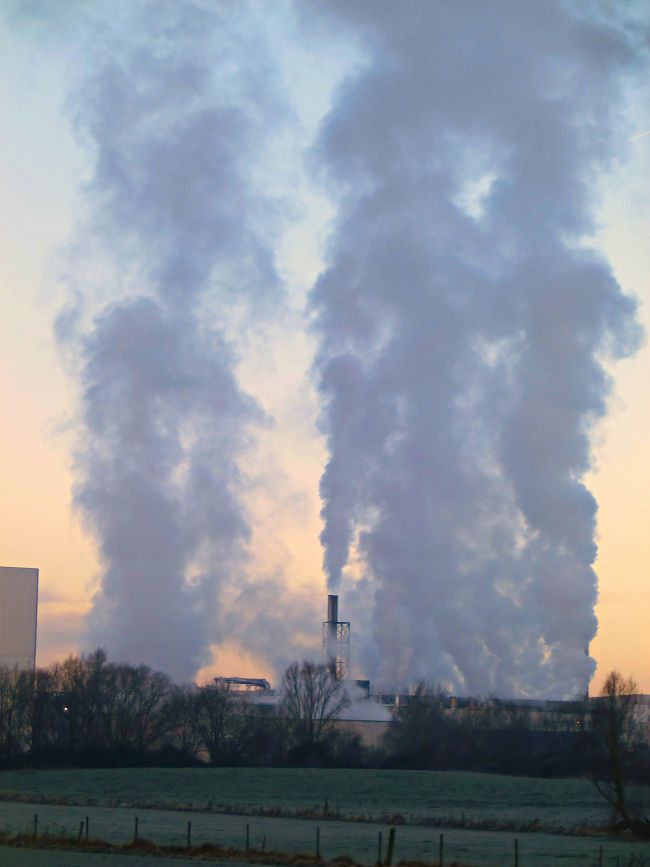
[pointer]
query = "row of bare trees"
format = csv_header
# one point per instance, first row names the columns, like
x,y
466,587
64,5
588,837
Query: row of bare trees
x,y
88,709
606,739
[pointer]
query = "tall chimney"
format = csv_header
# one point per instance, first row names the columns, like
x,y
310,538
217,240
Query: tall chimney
x,y
332,623
336,640
332,608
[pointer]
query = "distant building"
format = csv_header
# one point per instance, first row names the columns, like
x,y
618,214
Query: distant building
x,y
18,607
245,685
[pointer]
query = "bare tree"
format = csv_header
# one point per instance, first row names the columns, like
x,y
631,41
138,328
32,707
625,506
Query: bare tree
x,y
48,724
132,709
419,728
312,698
223,723
81,680
616,736
181,714
15,707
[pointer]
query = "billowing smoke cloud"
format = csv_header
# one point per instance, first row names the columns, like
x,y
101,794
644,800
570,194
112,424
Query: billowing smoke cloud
x,y
464,323
176,102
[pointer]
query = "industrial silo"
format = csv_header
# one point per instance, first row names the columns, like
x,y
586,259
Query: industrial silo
x,y
18,607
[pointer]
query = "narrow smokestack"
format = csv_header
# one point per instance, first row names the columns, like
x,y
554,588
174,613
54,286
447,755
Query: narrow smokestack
x,y
336,640
332,623
332,608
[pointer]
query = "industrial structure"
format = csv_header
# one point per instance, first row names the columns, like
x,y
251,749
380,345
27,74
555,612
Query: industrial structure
x,y
18,616
370,713
336,640
245,685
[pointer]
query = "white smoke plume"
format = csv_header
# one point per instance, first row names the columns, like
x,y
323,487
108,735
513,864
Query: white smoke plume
x,y
464,321
464,324
177,103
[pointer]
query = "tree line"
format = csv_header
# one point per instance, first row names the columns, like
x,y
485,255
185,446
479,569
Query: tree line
x,y
606,739
88,710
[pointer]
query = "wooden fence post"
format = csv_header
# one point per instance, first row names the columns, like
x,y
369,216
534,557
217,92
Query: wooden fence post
x,y
391,847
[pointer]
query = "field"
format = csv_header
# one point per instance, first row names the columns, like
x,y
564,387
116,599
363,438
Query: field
x,y
480,815
372,793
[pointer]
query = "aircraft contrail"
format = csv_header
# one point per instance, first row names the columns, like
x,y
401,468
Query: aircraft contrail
x,y
639,135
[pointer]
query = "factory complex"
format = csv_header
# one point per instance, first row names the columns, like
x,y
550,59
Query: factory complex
x,y
368,712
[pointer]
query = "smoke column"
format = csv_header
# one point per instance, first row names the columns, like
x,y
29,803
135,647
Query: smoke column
x,y
464,321
176,103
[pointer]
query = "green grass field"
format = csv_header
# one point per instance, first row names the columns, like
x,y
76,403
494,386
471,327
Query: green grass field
x,y
112,798
355,792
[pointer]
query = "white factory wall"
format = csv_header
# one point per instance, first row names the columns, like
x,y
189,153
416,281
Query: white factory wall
x,y
18,606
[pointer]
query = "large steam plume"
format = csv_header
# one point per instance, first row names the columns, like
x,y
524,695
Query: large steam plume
x,y
464,322
177,103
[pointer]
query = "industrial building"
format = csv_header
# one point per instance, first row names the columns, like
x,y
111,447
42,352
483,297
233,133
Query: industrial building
x,y
18,615
370,713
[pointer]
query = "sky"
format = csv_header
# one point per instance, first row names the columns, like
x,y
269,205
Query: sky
x,y
235,562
